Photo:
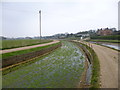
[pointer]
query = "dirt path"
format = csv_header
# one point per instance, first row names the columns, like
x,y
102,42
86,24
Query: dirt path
x,y
108,66
27,47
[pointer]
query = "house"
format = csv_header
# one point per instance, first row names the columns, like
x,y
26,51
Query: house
x,y
104,32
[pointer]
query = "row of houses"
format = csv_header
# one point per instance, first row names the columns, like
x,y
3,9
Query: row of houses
x,y
105,31
83,34
99,32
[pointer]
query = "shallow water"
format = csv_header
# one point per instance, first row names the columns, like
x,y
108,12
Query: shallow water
x,y
89,74
62,68
112,46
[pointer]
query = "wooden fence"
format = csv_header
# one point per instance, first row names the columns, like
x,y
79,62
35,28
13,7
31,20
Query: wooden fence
x,y
19,58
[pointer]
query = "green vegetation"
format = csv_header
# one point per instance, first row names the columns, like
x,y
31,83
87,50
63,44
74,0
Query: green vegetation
x,y
95,68
8,44
110,37
17,66
0,80
6,55
111,41
60,69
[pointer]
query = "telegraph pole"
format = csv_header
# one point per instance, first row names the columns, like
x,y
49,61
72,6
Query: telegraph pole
x,y
40,24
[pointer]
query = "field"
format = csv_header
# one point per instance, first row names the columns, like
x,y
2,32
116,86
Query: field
x,y
8,44
60,69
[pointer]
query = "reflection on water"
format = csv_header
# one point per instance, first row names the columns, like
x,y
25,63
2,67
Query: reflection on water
x,y
89,74
112,46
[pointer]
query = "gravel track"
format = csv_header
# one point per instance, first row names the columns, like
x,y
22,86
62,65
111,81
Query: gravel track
x,y
108,59
108,66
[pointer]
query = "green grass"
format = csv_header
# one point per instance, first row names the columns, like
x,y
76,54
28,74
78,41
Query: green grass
x,y
6,55
8,44
60,69
11,69
111,41
108,37
95,80
0,80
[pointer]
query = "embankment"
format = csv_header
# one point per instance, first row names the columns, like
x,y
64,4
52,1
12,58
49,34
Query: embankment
x,y
94,62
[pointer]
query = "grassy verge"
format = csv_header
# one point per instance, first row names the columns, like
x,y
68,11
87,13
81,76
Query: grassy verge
x,y
9,44
6,55
95,68
110,41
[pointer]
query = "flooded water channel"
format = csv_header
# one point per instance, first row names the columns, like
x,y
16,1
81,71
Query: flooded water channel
x,y
115,46
60,69
112,45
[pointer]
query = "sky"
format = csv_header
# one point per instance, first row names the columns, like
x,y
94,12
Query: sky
x,y
21,18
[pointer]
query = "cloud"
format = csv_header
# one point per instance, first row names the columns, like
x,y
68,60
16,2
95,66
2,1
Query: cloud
x,y
22,18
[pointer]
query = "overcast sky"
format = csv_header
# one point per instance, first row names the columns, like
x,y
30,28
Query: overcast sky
x,y
21,19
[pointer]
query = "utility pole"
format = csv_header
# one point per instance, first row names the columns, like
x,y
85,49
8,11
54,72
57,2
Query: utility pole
x,y
40,24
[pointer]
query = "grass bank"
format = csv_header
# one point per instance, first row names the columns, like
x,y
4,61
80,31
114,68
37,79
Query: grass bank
x,y
7,55
95,80
9,44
